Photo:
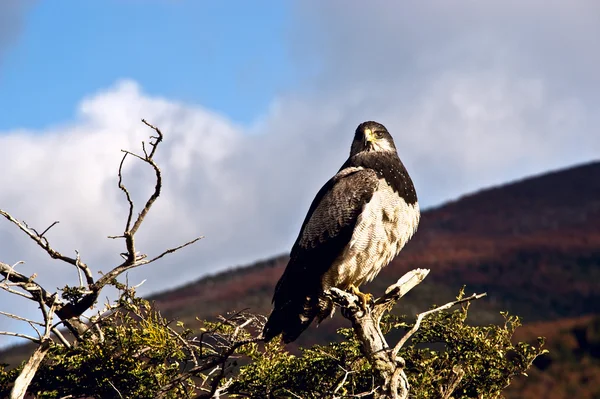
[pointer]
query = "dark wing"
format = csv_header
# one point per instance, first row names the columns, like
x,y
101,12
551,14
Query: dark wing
x,y
326,230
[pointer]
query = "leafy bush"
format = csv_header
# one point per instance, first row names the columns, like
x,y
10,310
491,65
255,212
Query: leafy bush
x,y
141,356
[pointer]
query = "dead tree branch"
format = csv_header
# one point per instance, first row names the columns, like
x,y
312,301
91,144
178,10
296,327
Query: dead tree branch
x,y
386,363
37,293
70,312
43,241
22,382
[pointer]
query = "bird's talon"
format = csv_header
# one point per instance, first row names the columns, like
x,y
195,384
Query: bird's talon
x,y
365,299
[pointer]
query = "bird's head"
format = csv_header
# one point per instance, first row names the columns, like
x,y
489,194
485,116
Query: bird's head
x,y
372,136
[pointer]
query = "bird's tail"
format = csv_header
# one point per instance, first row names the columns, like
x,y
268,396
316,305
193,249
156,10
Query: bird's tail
x,y
295,305
291,318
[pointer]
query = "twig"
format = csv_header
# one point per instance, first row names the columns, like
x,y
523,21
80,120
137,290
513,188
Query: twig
x,y
14,316
25,283
240,327
14,334
420,317
185,343
48,228
341,384
457,375
293,394
158,138
61,337
40,239
171,250
127,195
82,267
7,288
115,388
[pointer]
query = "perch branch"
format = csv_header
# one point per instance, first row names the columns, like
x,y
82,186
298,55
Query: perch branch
x,y
366,325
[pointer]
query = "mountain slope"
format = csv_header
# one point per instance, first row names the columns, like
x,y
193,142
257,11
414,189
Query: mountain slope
x,y
533,245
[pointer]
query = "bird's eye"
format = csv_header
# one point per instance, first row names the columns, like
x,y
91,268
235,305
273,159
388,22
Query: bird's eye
x,y
379,134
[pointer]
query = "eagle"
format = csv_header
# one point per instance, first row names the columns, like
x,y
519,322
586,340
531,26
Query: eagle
x,y
357,223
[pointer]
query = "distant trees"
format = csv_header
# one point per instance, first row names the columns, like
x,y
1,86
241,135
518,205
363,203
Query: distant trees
x,y
128,350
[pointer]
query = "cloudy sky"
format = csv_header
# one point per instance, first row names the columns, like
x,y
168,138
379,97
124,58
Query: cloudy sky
x,y
258,102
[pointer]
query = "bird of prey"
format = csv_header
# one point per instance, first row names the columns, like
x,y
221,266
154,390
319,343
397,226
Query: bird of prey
x,y
358,222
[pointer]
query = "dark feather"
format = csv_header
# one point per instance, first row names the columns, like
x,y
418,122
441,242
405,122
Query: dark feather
x,y
325,232
389,167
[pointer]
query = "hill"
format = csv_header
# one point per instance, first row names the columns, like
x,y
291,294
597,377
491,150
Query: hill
x,y
533,245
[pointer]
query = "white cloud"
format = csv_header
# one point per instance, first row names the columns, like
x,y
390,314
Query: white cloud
x,y
476,93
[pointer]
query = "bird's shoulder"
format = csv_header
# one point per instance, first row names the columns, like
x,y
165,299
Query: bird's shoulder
x,y
387,166
337,205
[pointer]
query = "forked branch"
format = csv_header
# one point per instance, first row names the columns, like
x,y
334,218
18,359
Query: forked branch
x,y
70,312
386,363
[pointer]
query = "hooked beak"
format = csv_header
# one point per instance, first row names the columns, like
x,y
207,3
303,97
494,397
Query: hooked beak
x,y
369,137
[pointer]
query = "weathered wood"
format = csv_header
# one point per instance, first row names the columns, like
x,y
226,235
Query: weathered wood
x,y
366,322
367,327
24,379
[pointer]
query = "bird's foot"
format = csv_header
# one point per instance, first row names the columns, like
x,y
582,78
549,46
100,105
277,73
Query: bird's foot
x,y
365,299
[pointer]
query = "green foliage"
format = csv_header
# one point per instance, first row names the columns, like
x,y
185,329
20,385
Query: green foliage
x,y
7,376
443,345
139,355
486,354
274,372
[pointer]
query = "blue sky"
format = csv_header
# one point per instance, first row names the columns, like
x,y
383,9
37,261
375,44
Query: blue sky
x,y
228,56
258,101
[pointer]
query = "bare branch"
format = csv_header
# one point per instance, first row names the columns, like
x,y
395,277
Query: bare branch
x,y
131,258
420,317
13,316
124,189
105,279
40,239
25,283
158,138
404,284
48,228
85,269
115,388
457,375
14,334
66,312
7,287
341,384
171,250
60,337
22,382
26,375
32,323
185,343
